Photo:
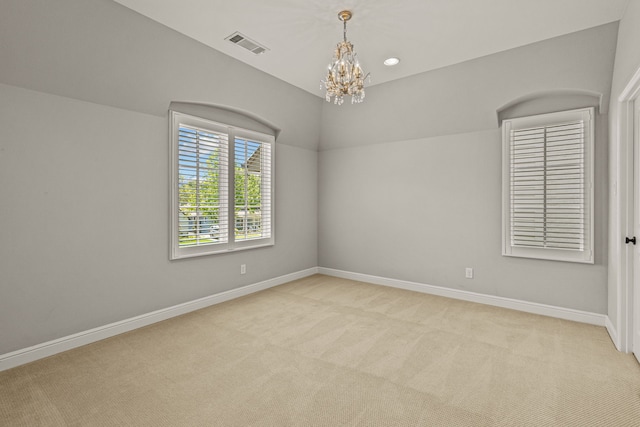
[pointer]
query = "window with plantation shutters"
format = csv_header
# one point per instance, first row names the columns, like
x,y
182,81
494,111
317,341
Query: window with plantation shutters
x,y
547,186
202,186
252,172
222,190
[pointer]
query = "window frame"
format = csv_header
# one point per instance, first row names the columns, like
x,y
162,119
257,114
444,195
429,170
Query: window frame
x,y
587,115
177,119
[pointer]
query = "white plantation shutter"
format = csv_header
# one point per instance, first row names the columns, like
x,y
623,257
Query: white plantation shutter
x,y
253,181
548,191
218,205
202,186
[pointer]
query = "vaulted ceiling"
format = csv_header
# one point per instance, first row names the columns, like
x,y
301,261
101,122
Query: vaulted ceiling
x,y
425,34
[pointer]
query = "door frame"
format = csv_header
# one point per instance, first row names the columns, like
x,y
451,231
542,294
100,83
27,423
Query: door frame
x,y
626,163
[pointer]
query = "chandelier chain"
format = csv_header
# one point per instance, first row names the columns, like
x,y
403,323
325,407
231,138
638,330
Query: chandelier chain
x,y
344,30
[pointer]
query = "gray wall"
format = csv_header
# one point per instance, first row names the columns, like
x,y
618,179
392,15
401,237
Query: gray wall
x,y
84,90
410,184
626,63
464,97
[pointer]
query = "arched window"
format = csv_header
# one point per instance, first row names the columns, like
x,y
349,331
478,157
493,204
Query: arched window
x,y
548,168
222,191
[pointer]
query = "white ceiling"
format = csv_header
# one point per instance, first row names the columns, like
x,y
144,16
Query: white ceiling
x,y
424,34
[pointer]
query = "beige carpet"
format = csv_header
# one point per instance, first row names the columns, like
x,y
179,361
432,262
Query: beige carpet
x,y
323,351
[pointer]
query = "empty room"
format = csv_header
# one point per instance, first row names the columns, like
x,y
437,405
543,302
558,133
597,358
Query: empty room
x,y
205,222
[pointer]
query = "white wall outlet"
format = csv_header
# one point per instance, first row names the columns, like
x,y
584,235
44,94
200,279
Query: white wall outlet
x,y
468,273
243,268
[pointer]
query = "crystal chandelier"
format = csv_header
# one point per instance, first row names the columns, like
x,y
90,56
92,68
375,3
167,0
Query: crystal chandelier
x,y
344,76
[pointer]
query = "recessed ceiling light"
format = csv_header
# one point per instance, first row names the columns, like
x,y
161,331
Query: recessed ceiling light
x,y
390,62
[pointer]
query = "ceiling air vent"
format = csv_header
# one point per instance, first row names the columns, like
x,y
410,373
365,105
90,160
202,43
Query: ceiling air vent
x,y
250,45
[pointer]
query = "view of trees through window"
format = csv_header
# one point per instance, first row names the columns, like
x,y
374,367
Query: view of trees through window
x,y
203,188
248,189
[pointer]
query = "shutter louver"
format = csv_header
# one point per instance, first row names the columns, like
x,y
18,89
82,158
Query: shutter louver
x,y
547,187
202,183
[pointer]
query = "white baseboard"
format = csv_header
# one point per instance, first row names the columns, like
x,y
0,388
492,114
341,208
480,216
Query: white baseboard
x,y
528,307
613,333
39,351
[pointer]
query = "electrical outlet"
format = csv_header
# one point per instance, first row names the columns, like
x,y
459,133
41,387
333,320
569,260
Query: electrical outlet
x,y
468,273
243,268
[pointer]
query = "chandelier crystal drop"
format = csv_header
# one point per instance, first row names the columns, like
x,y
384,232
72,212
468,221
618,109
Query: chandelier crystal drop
x,y
344,74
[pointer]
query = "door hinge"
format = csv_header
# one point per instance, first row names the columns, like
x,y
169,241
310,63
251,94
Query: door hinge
x,y
630,240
